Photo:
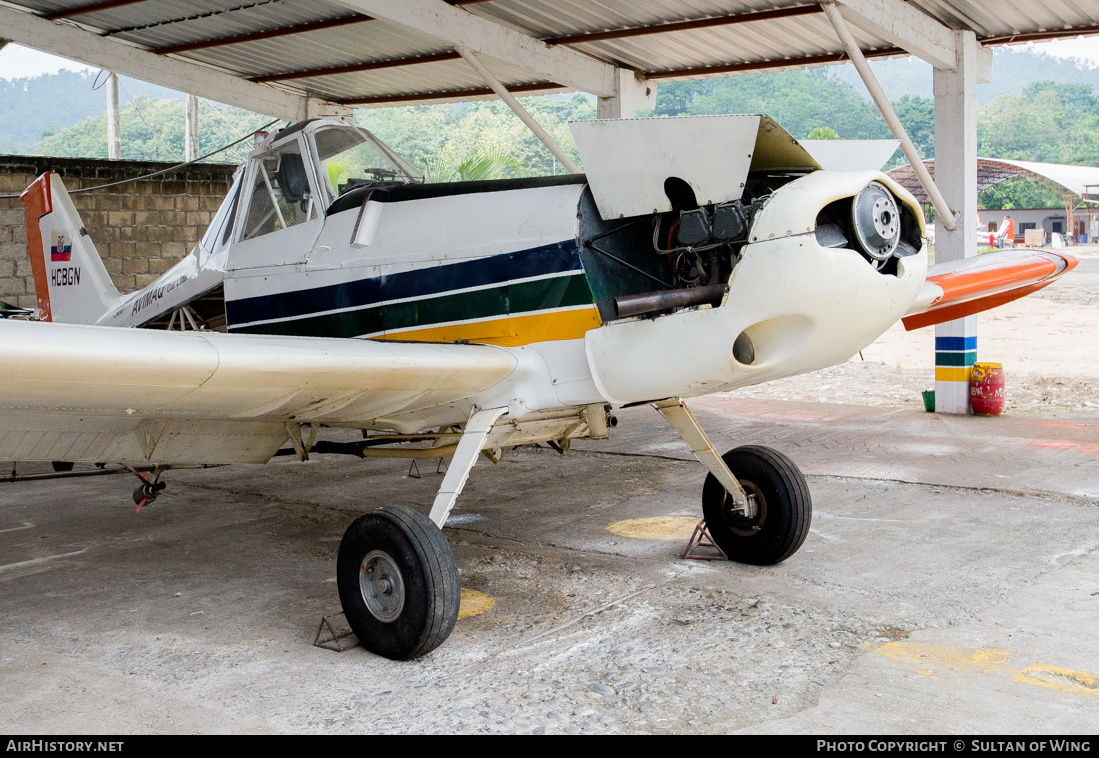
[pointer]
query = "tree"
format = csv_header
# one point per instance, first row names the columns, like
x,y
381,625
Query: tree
x,y
486,163
1019,192
917,116
152,130
453,134
1049,122
798,100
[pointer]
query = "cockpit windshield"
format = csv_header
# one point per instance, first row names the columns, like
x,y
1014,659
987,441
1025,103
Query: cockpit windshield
x,y
350,157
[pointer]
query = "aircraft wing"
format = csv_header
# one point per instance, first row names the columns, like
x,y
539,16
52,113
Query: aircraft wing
x,y
971,285
85,393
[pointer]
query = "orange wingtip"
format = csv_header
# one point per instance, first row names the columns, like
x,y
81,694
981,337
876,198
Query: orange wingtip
x,y
976,284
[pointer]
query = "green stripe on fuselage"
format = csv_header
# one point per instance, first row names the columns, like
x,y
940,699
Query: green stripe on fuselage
x,y
510,299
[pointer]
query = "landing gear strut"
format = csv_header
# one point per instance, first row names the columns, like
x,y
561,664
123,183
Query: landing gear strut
x,y
755,500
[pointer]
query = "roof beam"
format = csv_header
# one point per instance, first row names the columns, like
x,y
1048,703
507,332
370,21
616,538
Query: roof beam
x,y
674,26
1042,36
83,10
457,27
282,31
456,95
76,44
906,27
356,67
766,65
679,26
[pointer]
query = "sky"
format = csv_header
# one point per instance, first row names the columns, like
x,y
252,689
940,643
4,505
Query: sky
x,y
17,62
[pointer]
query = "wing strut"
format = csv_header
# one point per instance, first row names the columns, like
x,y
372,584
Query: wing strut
x,y
854,53
469,448
679,415
520,111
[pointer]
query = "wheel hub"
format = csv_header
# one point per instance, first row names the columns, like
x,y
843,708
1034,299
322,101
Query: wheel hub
x,y
382,586
738,522
876,222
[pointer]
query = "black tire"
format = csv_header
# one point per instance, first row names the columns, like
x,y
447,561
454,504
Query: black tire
x,y
409,614
62,465
785,508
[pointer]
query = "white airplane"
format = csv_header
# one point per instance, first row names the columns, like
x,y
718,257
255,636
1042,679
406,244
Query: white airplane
x,y
696,256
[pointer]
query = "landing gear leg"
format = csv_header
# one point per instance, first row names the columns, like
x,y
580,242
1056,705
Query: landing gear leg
x,y
396,574
755,500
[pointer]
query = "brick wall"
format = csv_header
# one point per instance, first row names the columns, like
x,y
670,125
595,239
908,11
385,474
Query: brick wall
x,y
140,228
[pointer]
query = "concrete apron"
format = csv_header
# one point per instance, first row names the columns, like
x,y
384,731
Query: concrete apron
x,y
946,587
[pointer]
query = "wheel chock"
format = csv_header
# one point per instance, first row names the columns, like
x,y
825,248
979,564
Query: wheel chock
x,y
414,470
701,546
330,639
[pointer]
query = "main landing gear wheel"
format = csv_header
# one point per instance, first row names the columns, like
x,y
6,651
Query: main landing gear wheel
x,y
398,582
784,508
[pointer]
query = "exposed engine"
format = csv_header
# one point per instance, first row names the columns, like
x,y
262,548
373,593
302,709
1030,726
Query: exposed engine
x,y
701,244
873,223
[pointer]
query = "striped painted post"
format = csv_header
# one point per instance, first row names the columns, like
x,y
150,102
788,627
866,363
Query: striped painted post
x,y
955,354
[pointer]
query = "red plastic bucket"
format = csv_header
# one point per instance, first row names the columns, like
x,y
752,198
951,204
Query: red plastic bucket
x,y
986,389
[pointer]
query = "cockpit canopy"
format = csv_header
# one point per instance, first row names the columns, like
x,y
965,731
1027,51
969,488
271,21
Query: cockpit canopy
x,y
293,176
349,157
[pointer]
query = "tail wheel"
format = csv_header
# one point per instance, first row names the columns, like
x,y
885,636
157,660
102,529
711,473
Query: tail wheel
x,y
398,582
784,508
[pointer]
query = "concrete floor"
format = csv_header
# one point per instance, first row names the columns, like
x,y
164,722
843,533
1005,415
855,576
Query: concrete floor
x,y
949,585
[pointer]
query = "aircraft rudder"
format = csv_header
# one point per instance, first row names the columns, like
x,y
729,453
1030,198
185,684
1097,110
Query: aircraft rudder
x,y
38,202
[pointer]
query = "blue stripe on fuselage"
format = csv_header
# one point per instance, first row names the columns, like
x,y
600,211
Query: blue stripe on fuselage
x,y
496,269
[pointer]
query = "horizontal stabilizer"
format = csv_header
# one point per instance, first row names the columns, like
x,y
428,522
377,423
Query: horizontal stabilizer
x,y
971,285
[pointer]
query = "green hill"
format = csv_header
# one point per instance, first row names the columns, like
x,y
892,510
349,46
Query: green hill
x,y
1013,69
49,103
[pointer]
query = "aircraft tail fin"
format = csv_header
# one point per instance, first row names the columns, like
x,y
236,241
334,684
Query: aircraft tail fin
x,y
70,281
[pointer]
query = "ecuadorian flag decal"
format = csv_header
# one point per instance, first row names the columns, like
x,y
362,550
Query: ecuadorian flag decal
x,y
535,295
61,246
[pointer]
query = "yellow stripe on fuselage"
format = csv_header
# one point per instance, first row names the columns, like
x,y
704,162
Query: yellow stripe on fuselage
x,y
510,331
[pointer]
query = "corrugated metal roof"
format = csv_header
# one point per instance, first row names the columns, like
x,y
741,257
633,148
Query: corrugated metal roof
x,y
328,35
1082,181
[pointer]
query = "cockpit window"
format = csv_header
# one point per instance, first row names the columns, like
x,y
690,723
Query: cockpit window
x,y
281,196
351,157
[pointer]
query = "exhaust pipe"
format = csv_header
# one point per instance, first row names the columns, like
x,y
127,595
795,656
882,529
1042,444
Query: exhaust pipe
x,y
648,302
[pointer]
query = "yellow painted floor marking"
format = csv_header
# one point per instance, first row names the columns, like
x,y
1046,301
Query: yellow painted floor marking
x,y
947,662
1061,680
956,666
655,527
474,603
